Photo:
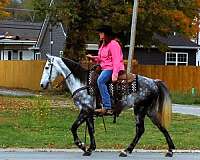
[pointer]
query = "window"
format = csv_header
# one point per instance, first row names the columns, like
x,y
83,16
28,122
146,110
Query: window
x,y
37,56
176,58
20,55
9,55
15,55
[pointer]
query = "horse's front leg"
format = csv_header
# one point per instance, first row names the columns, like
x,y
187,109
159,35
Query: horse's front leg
x,y
90,125
80,119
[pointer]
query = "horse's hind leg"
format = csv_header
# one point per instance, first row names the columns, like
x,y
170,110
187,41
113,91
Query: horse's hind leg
x,y
80,119
139,116
170,143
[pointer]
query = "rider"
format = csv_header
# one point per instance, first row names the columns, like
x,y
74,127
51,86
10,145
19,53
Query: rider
x,y
110,58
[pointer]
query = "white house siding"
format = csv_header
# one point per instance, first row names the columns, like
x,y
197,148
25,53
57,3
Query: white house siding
x,y
198,59
26,55
197,41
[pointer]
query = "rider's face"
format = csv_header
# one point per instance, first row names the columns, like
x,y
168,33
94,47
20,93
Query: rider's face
x,y
101,36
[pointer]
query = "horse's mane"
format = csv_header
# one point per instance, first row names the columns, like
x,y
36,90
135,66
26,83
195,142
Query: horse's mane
x,y
77,70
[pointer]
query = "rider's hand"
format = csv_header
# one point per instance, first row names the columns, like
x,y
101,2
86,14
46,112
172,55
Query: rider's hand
x,y
89,56
114,78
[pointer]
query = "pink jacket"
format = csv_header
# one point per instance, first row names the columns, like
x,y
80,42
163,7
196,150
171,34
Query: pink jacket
x,y
110,57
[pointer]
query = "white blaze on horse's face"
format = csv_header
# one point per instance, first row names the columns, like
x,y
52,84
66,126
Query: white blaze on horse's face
x,y
49,73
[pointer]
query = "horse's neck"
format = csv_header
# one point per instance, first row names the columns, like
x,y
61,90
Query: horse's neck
x,y
72,82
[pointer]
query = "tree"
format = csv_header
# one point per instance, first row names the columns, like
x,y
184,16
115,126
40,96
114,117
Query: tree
x,y
24,10
3,4
41,8
82,18
161,17
164,17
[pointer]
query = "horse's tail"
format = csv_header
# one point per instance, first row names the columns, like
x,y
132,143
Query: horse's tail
x,y
164,104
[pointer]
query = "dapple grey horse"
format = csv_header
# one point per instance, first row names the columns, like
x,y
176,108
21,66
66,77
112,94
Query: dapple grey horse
x,y
151,99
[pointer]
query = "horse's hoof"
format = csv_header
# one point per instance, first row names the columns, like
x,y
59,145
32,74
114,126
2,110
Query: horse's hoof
x,y
87,153
123,154
129,150
169,154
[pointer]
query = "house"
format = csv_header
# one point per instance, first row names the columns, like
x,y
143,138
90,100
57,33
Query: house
x,y
181,51
51,39
16,40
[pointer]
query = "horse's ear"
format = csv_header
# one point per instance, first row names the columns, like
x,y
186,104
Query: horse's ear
x,y
48,56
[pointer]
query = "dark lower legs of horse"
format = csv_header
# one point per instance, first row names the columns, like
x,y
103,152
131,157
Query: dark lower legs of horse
x,y
82,117
170,143
140,130
139,118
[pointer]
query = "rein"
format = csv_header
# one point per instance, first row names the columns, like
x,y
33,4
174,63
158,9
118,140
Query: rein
x,y
78,90
58,85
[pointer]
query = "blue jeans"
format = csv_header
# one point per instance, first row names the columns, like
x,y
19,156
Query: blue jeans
x,y
104,77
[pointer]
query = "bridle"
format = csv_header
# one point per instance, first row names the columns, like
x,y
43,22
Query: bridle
x,y
51,67
50,74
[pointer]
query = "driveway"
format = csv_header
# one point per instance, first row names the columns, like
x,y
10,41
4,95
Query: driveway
x,y
186,109
17,93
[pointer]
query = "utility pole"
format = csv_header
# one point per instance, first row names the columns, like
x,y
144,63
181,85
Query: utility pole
x,y
132,38
51,29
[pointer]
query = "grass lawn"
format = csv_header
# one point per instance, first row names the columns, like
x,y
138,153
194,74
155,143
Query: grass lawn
x,y
185,98
32,123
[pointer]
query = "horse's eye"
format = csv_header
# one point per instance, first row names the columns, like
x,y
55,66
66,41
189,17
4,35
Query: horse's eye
x,y
46,67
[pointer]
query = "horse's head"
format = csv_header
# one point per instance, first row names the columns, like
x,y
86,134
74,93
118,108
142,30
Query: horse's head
x,y
50,72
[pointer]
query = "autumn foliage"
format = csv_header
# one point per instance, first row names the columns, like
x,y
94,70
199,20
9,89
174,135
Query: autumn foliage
x,y
162,17
3,4
167,16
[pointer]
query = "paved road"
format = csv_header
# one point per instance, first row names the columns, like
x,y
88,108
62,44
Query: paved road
x,y
9,92
94,156
186,109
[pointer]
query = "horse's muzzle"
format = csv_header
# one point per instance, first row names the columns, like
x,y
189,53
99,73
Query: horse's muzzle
x,y
41,85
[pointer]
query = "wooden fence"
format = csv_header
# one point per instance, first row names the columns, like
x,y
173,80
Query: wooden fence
x,y
27,74
178,78
21,74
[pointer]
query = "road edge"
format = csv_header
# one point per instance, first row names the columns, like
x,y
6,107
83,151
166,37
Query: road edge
x,y
98,150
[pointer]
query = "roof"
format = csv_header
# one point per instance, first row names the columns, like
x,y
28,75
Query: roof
x,y
16,42
177,41
24,30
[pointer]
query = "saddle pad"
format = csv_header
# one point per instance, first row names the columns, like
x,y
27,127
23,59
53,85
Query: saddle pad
x,y
116,90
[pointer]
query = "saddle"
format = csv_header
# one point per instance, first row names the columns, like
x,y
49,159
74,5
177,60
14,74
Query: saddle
x,y
125,78
125,85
